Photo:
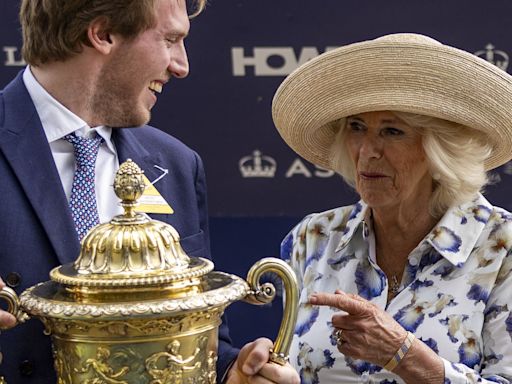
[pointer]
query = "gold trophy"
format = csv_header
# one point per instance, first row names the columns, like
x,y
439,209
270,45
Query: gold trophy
x,y
134,308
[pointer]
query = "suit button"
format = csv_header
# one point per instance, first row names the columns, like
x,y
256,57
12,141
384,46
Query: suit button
x,y
13,279
26,368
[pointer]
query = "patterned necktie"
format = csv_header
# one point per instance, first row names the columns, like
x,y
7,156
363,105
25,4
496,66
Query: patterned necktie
x,y
83,196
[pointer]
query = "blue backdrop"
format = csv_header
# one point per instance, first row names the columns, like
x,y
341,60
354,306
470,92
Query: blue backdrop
x,y
240,51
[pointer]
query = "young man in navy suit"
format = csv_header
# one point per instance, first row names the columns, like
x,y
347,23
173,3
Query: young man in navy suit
x,y
94,69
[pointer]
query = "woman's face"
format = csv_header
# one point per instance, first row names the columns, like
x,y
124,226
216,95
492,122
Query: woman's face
x,y
391,166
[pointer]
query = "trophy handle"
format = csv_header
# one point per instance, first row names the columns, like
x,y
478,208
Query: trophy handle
x,y
13,305
265,293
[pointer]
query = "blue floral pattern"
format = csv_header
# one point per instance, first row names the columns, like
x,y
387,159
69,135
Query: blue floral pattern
x,y
455,295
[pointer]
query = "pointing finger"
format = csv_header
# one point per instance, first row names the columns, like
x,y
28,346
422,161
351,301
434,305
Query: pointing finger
x,y
351,295
340,301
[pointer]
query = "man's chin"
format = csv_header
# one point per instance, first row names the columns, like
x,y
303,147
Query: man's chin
x,y
131,121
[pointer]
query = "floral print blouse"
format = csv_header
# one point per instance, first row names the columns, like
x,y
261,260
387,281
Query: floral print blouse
x,y
455,294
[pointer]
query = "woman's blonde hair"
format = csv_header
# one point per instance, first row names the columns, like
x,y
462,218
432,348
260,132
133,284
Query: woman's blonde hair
x,y
455,154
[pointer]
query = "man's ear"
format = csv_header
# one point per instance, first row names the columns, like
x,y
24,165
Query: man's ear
x,y
99,36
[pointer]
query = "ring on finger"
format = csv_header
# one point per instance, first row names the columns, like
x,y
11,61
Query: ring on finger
x,y
337,336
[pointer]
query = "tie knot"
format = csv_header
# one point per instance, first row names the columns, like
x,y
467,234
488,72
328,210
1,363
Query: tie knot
x,y
86,150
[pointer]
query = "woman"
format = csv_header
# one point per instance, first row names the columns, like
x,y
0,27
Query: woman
x,y
413,283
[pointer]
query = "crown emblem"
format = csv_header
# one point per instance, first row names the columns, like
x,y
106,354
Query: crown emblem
x,y
257,165
494,56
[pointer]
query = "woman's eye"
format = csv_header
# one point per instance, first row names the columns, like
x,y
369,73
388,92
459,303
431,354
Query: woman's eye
x,y
393,131
356,126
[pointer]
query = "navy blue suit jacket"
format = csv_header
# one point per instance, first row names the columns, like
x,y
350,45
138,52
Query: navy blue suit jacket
x,y
37,231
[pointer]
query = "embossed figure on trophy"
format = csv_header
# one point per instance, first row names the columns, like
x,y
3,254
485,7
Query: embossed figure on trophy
x,y
104,374
175,365
62,366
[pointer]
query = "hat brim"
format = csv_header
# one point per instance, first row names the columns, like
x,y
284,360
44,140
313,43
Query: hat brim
x,y
423,78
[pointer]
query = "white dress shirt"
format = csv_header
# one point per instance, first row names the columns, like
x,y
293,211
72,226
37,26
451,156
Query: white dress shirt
x,y
58,121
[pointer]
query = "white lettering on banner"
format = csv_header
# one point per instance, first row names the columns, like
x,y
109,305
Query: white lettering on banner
x,y
322,172
285,60
259,60
13,58
298,168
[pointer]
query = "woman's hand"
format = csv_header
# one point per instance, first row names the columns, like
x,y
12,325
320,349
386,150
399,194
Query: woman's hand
x,y
371,334
367,332
252,366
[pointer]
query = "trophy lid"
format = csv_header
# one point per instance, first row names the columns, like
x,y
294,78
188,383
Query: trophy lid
x,y
132,249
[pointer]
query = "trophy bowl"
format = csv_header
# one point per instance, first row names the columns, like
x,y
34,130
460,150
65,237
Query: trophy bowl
x,y
134,308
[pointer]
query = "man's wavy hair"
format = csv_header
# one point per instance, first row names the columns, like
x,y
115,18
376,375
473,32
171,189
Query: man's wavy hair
x,y
455,154
56,30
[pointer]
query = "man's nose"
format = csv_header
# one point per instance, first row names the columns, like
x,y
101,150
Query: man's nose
x,y
178,64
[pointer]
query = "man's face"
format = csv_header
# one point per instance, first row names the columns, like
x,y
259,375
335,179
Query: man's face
x,y
133,77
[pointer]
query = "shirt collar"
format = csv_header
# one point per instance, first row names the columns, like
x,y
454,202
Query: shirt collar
x,y
104,132
56,119
454,236
355,219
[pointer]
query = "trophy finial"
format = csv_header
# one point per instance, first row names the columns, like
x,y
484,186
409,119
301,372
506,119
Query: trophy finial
x,y
129,185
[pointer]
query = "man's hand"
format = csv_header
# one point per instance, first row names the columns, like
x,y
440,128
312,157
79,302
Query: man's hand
x,y
252,366
6,319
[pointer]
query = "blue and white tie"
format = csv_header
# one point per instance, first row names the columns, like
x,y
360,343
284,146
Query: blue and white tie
x,y
83,195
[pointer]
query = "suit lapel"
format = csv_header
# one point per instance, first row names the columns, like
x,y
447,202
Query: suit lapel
x,y
24,144
129,147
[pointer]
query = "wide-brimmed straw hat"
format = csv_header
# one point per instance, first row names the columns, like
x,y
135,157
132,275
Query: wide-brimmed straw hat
x,y
400,72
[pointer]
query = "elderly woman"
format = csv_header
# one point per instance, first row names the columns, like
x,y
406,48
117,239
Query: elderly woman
x,y
413,283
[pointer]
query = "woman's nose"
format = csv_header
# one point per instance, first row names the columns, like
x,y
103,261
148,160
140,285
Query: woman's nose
x,y
371,147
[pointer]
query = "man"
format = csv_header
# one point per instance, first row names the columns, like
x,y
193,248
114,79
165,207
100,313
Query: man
x,y
94,68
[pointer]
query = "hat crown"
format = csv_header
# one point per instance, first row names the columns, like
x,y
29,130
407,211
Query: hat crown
x,y
408,38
